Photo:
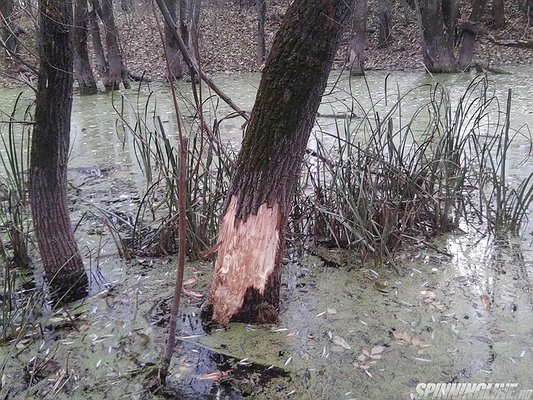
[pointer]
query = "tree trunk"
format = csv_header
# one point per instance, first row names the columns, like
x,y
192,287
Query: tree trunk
x,y
247,274
8,33
384,22
450,14
83,70
436,47
498,13
49,153
530,13
194,20
94,11
172,49
115,73
469,33
356,47
261,17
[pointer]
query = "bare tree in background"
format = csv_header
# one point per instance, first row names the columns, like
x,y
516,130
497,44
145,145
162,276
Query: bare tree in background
x,y
435,19
261,18
384,23
83,71
356,46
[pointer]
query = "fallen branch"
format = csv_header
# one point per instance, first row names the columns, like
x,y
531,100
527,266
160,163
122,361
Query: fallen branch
x,y
522,44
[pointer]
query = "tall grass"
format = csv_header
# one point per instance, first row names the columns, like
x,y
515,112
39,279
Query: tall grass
x,y
376,183
14,218
380,182
209,165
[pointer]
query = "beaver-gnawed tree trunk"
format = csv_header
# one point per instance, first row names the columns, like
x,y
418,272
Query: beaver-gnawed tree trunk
x,y
435,24
246,282
49,153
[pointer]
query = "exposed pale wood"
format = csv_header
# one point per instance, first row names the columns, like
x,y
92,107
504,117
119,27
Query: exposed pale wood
x,y
248,253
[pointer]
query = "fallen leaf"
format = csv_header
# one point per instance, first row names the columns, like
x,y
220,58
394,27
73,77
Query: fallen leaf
x,y
190,282
341,342
376,350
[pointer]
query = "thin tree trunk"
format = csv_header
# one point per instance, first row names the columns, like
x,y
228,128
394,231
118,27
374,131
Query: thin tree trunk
x,y
83,70
469,33
49,153
356,47
261,17
115,73
384,23
101,62
247,274
498,13
530,13
173,53
436,47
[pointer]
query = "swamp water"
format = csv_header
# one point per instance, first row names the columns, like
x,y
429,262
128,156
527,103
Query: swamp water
x,y
460,312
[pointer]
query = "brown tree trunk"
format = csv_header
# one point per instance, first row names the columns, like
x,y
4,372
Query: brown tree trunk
x,y
83,70
450,14
498,13
436,47
94,11
469,33
247,274
356,47
261,18
49,153
173,53
8,34
384,23
115,73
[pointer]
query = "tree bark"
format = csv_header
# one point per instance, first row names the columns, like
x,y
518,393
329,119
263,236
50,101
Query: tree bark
x,y
194,20
469,34
173,53
384,23
94,11
247,274
49,153
436,46
261,18
356,61
498,13
450,14
83,71
115,72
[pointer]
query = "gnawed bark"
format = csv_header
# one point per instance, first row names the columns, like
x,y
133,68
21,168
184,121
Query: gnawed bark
x,y
247,272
